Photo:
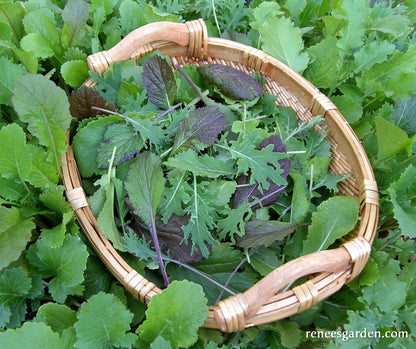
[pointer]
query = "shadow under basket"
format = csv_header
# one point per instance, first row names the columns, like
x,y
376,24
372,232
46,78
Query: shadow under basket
x,y
188,43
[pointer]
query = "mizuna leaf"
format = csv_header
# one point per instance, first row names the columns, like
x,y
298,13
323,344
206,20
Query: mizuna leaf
x,y
175,314
258,233
333,218
44,106
233,83
200,129
159,81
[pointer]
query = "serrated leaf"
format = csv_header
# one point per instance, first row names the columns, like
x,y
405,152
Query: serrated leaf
x,y
368,55
8,72
264,233
159,81
15,157
232,82
200,165
127,142
15,233
402,193
75,15
65,264
200,129
58,316
103,322
282,40
83,100
31,335
75,73
175,314
234,221
15,286
109,84
44,106
333,218
131,16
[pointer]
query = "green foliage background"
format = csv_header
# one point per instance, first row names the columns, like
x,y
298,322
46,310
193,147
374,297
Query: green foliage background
x,y
53,288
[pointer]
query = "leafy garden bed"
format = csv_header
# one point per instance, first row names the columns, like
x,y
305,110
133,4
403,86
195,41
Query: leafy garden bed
x,y
53,287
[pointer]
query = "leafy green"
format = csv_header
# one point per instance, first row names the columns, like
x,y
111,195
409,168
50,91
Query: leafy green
x,y
58,316
159,82
75,72
103,322
8,72
328,225
232,82
175,314
15,233
75,15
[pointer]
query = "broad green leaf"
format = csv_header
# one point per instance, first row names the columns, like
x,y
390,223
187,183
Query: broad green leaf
x,y
323,69
159,81
8,72
58,316
232,82
290,333
37,44
108,5
15,233
282,40
394,25
349,108
403,115
86,142
43,173
65,264
31,335
44,106
160,343
334,218
38,22
411,10
151,14
11,16
75,15
75,73
175,314
12,190
103,322
15,286
263,11
402,194
131,16
96,277
203,165
200,129
368,55
15,156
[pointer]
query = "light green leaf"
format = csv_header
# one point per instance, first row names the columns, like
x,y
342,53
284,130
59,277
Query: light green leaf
x,y
15,233
175,314
349,108
8,72
12,190
103,322
15,286
15,157
43,173
58,316
334,218
36,43
160,343
394,25
75,15
263,11
402,194
44,106
403,115
75,73
65,264
131,16
368,55
282,40
300,201
108,5
38,22
200,165
11,16
31,335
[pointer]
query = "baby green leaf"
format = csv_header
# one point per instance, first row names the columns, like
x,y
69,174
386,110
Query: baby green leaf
x,y
8,72
203,165
200,129
334,218
233,83
103,322
15,233
75,16
159,81
58,316
175,314
75,72
44,106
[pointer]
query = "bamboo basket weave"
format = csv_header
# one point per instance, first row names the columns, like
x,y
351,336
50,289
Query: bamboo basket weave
x,y
328,270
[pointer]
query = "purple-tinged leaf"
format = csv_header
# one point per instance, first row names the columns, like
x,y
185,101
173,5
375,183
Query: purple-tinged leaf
x,y
264,233
75,15
200,129
233,83
144,187
159,81
252,193
83,100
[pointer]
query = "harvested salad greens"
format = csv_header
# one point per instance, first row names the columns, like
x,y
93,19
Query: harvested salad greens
x,y
198,165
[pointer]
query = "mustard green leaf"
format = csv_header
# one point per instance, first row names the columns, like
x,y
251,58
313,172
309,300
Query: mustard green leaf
x,y
43,173
75,73
37,44
75,15
8,72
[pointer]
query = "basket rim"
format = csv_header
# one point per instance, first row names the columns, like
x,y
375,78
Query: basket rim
x,y
236,313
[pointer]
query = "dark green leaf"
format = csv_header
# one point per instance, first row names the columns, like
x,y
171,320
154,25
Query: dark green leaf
x,y
233,83
159,82
58,316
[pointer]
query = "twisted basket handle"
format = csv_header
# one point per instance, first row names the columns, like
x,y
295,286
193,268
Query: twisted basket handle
x,y
193,34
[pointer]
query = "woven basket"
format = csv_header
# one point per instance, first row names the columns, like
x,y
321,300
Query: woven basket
x,y
329,270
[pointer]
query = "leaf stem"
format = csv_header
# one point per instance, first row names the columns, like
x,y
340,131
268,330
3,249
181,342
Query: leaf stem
x,y
161,115
187,78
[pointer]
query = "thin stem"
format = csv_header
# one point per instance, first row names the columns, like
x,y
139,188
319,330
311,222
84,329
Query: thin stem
x,y
215,16
161,115
257,118
187,78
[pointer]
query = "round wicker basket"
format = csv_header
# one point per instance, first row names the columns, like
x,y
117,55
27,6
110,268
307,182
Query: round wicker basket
x,y
328,270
